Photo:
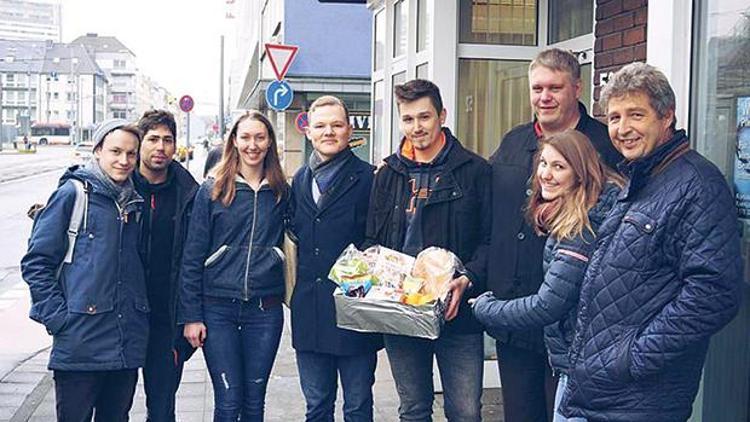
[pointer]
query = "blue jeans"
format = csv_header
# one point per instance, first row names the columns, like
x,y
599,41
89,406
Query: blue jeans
x,y
242,339
558,398
318,376
162,373
460,360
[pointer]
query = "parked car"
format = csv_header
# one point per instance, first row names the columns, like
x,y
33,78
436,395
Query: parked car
x,y
83,152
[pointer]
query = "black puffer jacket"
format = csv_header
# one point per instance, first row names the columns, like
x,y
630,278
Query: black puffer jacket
x,y
665,276
554,305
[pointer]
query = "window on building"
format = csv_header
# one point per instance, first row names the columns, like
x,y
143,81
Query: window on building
x,y
423,71
720,130
400,27
70,96
424,25
377,121
22,96
493,97
569,19
395,140
56,95
119,64
511,22
10,79
379,40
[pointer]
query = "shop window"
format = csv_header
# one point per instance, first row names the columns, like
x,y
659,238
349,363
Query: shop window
x,y
379,40
423,71
510,22
398,79
377,121
424,26
720,130
569,19
493,97
400,27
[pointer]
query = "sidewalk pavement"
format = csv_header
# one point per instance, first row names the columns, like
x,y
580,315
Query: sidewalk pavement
x,y
27,393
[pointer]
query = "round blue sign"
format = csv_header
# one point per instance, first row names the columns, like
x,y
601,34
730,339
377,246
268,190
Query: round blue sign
x,y
279,95
186,103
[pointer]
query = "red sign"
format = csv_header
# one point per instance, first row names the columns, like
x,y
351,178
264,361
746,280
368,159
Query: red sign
x,y
281,57
301,122
186,103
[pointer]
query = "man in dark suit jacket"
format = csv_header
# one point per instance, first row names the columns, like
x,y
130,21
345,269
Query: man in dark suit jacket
x,y
515,269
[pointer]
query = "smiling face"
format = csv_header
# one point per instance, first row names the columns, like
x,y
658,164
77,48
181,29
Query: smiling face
x,y
157,149
117,155
555,175
329,130
635,128
554,97
421,123
252,143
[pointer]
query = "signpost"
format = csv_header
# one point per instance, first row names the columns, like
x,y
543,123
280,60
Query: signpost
x,y
279,94
186,105
301,122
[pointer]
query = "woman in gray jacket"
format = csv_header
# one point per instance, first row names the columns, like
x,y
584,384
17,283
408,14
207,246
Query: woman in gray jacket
x,y
572,191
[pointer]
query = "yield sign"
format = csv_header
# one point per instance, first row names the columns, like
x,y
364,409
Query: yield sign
x,y
281,57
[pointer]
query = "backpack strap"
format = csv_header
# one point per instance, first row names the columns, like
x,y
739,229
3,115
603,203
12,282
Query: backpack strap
x,y
77,219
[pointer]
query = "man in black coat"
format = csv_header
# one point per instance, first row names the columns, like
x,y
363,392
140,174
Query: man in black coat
x,y
434,192
331,196
515,267
168,190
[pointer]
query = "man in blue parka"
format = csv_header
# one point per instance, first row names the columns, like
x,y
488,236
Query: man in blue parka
x,y
96,308
666,272
331,198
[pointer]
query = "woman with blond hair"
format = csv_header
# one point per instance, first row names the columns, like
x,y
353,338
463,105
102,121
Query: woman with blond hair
x,y
571,193
232,280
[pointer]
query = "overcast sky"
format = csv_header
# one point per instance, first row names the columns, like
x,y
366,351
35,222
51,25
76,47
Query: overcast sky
x,y
176,42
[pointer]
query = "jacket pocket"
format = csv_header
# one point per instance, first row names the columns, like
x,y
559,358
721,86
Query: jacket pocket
x,y
214,257
90,307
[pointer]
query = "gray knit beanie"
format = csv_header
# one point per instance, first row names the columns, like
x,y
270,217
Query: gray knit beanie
x,y
105,128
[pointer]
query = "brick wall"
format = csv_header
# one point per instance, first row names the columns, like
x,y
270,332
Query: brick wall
x,y
620,38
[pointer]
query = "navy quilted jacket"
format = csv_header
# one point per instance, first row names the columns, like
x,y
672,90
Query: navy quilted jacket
x,y
554,305
663,279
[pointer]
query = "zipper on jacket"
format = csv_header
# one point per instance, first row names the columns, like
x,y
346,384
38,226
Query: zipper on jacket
x,y
246,292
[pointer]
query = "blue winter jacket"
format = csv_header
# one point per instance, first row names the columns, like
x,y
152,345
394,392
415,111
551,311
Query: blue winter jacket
x,y
665,276
554,305
232,252
97,311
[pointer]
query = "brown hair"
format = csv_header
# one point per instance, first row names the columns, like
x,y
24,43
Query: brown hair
x,y
558,60
567,215
416,89
229,167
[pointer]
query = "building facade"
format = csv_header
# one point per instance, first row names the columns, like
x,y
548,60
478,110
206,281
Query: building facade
x,y
119,64
478,52
30,20
333,61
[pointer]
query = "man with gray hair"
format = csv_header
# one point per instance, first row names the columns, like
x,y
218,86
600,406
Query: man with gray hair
x,y
515,269
666,272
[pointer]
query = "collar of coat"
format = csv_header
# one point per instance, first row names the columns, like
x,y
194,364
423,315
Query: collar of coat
x,y
639,172
583,122
457,156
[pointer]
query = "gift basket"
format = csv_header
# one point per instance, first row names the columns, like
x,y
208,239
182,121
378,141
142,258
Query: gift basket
x,y
386,291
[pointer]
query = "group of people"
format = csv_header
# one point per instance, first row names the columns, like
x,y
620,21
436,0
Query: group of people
x,y
600,257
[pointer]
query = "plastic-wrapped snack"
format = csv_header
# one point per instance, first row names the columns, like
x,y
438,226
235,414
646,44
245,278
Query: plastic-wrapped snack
x,y
437,267
356,288
385,293
391,267
350,267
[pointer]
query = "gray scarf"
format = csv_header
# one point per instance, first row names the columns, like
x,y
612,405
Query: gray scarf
x,y
324,172
126,196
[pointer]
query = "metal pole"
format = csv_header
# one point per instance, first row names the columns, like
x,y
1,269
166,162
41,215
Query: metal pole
x,y
2,135
187,143
221,90
28,102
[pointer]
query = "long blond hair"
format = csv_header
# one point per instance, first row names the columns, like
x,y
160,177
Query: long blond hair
x,y
567,215
229,167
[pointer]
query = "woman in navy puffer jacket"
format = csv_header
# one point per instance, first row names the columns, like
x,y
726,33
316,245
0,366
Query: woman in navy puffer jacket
x,y
571,194
232,280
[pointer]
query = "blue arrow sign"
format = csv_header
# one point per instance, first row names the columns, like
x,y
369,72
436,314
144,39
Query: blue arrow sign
x,y
279,95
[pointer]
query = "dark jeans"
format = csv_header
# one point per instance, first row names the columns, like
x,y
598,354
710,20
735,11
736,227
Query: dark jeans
x,y
318,376
528,385
460,361
168,350
241,343
107,395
